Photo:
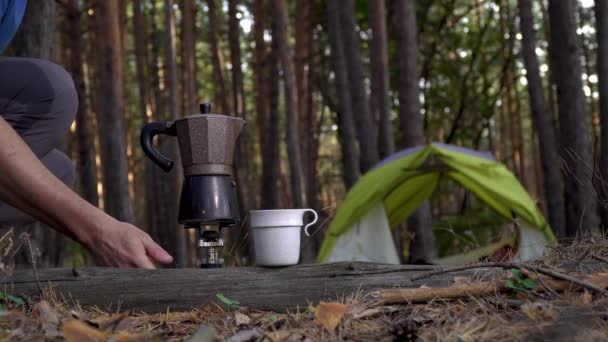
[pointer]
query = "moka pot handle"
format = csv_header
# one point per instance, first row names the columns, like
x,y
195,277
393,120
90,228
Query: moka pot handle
x,y
148,132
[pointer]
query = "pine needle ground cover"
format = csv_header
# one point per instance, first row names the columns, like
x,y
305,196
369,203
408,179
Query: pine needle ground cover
x,y
537,301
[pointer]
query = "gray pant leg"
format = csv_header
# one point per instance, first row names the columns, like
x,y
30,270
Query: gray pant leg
x,y
61,166
38,99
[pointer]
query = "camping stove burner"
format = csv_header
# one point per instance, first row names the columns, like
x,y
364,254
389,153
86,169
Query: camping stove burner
x,y
210,245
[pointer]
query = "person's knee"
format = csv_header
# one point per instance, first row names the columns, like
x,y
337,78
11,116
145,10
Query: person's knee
x,y
61,166
34,91
65,101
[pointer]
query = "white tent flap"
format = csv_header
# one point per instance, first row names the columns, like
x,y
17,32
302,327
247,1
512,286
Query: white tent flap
x,y
369,240
532,243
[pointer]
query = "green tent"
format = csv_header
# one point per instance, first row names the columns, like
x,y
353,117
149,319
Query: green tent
x,y
401,183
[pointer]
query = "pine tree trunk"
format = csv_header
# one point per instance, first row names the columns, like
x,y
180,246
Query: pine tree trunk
x,y
291,105
574,122
601,17
587,61
367,133
179,251
346,123
86,168
188,34
36,35
150,191
243,152
542,119
113,146
266,76
379,101
219,83
422,248
305,77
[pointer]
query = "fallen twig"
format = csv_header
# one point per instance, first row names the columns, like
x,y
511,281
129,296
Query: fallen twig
x,y
425,294
599,258
507,265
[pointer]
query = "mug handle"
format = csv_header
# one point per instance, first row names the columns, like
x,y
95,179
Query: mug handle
x,y
311,223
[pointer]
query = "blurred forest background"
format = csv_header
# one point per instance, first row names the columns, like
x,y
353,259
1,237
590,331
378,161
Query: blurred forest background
x,y
329,88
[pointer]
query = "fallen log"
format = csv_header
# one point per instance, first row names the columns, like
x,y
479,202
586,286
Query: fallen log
x,y
277,289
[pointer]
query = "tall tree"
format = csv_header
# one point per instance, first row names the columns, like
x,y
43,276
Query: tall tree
x,y
379,101
291,104
601,19
305,77
177,233
574,122
36,35
188,34
266,75
601,22
142,65
367,134
113,146
423,244
543,123
243,157
86,168
346,121
219,79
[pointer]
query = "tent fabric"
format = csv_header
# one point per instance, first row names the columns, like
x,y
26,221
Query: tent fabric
x,y
403,181
368,245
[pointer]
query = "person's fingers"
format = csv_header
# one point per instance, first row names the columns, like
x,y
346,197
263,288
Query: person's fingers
x,y
144,262
156,252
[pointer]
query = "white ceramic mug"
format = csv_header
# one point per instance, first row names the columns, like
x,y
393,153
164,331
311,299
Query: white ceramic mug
x,y
276,235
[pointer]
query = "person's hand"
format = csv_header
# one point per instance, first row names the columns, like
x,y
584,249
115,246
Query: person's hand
x,y
120,244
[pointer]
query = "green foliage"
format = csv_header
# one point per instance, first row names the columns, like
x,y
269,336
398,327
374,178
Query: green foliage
x,y
231,303
16,300
460,231
519,282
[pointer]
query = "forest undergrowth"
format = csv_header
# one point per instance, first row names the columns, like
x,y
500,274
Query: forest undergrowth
x,y
561,297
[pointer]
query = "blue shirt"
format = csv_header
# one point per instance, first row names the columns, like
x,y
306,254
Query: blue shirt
x,y
11,14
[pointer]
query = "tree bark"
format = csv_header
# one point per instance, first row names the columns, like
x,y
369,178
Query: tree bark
x,y
142,66
601,18
36,35
367,133
87,172
305,65
243,153
219,78
188,34
184,289
543,123
266,76
298,187
422,248
177,233
379,101
113,147
574,123
346,124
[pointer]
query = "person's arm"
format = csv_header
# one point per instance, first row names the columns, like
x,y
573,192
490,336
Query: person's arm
x,y
26,184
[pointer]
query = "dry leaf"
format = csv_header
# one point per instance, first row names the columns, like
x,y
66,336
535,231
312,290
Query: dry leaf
x,y
539,311
78,331
124,336
49,321
329,315
598,279
117,323
460,279
46,314
587,297
241,319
